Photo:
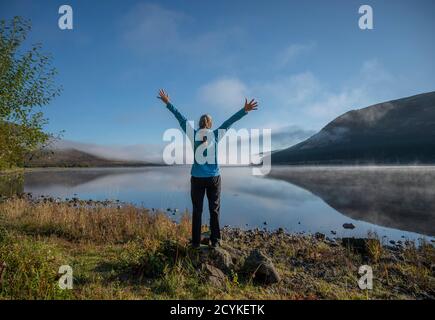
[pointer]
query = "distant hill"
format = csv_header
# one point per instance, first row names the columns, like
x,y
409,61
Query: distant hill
x,y
396,132
75,158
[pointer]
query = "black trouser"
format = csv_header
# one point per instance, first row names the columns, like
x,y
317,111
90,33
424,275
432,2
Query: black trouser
x,y
200,186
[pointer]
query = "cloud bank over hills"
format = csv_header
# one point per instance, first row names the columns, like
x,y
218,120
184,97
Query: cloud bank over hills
x,y
152,153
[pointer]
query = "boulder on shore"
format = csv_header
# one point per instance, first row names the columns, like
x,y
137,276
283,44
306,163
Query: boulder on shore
x,y
261,268
214,275
218,263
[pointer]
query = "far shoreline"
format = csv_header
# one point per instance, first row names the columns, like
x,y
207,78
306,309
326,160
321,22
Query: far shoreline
x,y
161,165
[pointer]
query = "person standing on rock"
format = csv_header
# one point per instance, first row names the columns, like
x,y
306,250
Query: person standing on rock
x,y
205,175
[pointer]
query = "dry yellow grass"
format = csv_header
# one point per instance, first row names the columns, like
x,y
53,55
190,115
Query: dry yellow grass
x,y
100,224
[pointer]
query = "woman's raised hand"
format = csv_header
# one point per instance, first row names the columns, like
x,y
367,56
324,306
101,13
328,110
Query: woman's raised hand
x,y
251,105
163,96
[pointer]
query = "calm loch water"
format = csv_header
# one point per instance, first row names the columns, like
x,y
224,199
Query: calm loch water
x,y
395,202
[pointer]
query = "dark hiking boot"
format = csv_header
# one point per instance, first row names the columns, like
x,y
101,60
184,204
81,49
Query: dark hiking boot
x,y
215,244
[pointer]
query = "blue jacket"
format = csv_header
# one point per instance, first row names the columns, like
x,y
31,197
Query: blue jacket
x,y
207,169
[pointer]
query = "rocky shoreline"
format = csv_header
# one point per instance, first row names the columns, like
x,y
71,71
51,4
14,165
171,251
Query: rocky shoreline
x,y
254,252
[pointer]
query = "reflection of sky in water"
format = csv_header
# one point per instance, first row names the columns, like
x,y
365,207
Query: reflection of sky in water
x,y
247,201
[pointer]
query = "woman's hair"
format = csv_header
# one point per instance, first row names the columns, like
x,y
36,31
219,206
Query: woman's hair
x,y
205,122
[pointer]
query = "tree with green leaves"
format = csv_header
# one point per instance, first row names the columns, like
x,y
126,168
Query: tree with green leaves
x,y
26,85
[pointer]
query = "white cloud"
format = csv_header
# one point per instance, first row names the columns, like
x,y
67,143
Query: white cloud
x,y
304,100
372,71
293,51
150,27
372,84
334,104
290,90
224,93
154,29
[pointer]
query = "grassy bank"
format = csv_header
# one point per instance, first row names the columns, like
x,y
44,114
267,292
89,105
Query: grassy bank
x,y
10,171
125,252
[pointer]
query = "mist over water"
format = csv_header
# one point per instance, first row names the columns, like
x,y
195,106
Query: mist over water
x,y
396,197
395,202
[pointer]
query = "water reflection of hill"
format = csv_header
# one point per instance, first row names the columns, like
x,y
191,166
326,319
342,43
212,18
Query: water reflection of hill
x,y
70,177
401,198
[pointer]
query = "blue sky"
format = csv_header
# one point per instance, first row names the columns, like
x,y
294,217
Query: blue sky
x,y
305,61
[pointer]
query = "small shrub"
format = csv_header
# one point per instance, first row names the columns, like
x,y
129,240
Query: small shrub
x,y
374,247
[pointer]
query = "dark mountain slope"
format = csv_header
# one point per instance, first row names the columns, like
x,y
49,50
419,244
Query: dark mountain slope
x,y
398,131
